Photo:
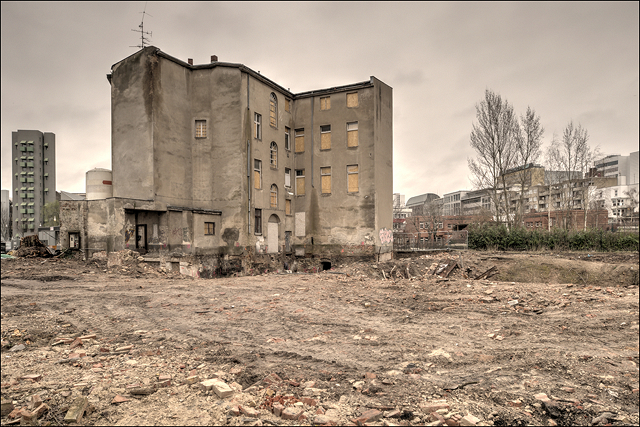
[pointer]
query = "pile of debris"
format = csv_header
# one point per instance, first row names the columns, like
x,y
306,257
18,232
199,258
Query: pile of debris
x,y
32,247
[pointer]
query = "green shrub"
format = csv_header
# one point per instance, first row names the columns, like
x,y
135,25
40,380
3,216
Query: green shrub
x,y
498,237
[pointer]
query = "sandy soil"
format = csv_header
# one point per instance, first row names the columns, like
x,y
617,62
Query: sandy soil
x,y
550,339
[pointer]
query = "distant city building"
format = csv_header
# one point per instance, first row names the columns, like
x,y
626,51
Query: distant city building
x,y
625,168
5,209
34,178
417,203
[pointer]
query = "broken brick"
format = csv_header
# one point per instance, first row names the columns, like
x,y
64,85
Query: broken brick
x,y
277,409
119,399
434,406
35,401
221,388
368,416
272,378
75,413
291,413
469,420
40,410
249,412
234,411
309,401
76,343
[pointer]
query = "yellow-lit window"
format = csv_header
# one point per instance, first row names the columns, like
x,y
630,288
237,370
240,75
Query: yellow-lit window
x,y
287,207
352,100
325,137
201,128
273,110
273,159
325,180
325,103
352,134
299,140
352,178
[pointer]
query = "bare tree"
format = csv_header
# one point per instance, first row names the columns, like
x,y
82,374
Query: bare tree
x,y
632,194
433,217
5,224
572,156
494,138
528,151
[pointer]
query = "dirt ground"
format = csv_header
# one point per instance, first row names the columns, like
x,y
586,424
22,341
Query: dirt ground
x,y
548,339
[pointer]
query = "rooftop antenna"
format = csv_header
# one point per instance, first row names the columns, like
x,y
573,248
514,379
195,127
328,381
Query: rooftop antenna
x,y
143,39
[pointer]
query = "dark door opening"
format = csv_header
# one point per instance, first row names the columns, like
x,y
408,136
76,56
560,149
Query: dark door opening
x,y
141,238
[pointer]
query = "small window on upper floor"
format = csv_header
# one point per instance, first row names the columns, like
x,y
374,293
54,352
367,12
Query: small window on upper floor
x,y
273,110
257,122
201,128
274,196
325,103
325,137
287,105
352,100
287,138
352,134
299,140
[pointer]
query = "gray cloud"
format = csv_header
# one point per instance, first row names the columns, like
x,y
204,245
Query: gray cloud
x,y
566,60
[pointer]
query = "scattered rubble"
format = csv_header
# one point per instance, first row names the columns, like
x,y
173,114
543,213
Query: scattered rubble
x,y
109,347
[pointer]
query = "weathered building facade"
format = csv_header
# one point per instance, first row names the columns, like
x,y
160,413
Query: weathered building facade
x,y
216,159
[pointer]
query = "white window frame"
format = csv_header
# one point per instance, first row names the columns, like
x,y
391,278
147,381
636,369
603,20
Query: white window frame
x,y
257,122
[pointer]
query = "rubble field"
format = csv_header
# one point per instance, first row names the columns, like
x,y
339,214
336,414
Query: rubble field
x,y
442,338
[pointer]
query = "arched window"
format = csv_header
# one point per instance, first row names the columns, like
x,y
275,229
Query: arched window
x,y
274,196
274,155
273,110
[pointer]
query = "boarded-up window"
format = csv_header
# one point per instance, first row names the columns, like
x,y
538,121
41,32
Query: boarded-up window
x,y
274,196
325,103
273,159
325,178
287,207
325,137
352,100
201,128
273,110
300,182
299,140
257,174
287,177
352,134
287,105
352,178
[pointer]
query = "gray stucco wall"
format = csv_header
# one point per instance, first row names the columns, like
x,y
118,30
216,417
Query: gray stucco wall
x,y
156,100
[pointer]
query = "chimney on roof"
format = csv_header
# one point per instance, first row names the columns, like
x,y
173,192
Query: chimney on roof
x,y
214,58
190,61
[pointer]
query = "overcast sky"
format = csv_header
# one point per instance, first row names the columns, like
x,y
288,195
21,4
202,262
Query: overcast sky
x,y
568,61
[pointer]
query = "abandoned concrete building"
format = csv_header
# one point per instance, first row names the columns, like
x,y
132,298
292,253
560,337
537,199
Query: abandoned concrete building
x,y
216,159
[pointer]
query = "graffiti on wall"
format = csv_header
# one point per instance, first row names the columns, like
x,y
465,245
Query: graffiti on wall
x,y
386,236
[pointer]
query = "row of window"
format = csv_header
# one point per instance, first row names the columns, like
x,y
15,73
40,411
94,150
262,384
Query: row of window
x,y
325,179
